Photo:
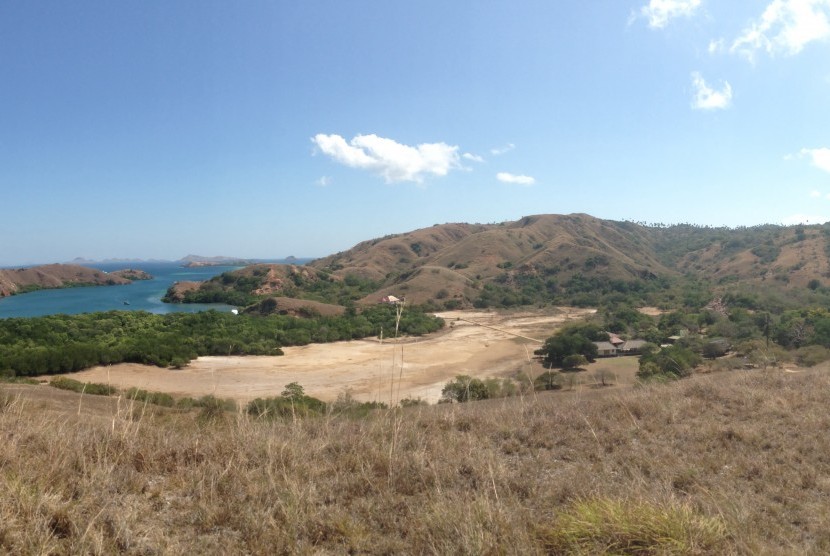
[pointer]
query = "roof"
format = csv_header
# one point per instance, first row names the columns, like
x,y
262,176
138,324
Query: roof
x,y
633,344
614,339
605,346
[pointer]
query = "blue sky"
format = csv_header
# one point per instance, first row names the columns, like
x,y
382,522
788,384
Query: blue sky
x,y
155,129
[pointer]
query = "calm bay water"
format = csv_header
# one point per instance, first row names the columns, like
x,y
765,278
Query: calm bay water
x,y
141,295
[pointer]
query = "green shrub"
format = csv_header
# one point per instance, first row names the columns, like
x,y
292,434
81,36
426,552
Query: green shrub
x,y
292,403
669,363
465,388
809,356
93,388
549,380
412,402
213,408
347,405
156,398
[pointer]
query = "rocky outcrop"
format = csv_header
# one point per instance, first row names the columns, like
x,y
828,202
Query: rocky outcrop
x,y
132,274
177,292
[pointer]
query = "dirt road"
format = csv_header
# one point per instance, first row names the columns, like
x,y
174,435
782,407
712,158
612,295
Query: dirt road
x,y
477,343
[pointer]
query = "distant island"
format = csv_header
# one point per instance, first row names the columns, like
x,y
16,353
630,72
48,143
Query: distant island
x,y
53,276
86,262
191,261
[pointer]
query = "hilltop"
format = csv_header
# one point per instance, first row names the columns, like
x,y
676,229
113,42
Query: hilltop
x,y
547,258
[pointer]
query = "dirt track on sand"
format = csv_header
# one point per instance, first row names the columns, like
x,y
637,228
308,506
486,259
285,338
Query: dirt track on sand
x,y
365,367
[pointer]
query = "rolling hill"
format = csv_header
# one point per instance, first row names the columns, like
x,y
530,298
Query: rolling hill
x,y
22,280
536,258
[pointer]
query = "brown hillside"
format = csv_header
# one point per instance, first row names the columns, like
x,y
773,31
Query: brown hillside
x,y
788,258
456,263
449,260
13,281
294,307
375,259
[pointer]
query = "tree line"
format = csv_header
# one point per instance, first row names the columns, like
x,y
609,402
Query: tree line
x,y
65,343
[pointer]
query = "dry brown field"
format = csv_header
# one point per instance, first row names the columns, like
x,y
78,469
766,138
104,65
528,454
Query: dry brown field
x,y
481,344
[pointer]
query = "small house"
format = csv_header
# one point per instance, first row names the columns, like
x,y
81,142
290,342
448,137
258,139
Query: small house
x,y
606,349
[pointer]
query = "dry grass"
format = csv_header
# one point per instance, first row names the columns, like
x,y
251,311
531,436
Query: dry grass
x,y
736,463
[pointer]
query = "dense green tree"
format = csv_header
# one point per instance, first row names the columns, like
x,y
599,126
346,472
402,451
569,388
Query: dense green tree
x,y
465,388
670,362
572,340
65,343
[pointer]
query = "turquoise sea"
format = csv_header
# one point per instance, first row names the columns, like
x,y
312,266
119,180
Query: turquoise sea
x,y
141,295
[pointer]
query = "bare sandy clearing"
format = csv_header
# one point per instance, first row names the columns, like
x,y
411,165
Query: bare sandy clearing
x,y
366,367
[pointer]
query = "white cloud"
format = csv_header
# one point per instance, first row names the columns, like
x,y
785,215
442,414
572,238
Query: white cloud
x,y
819,157
501,150
473,157
815,194
786,26
660,12
707,98
325,181
506,177
389,159
716,46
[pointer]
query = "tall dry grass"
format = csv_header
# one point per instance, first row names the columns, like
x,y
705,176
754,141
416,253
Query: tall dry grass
x,y
718,464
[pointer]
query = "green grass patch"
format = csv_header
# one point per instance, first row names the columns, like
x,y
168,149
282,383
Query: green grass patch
x,y
607,526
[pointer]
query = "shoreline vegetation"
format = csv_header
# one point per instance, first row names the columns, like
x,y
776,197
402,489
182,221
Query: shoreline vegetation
x,y
64,343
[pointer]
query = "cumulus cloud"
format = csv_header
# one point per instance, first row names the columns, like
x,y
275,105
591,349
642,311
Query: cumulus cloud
x,y
473,157
324,181
786,26
716,46
501,150
389,159
707,98
507,177
819,157
660,12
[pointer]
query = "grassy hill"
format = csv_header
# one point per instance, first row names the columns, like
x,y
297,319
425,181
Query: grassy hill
x,y
567,472
565,259
22,280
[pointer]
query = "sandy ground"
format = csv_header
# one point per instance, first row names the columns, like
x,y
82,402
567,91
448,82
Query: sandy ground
x,y
477,343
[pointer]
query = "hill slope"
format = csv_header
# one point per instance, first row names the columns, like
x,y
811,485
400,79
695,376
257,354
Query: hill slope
x,y
13,281
478,478
537,258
